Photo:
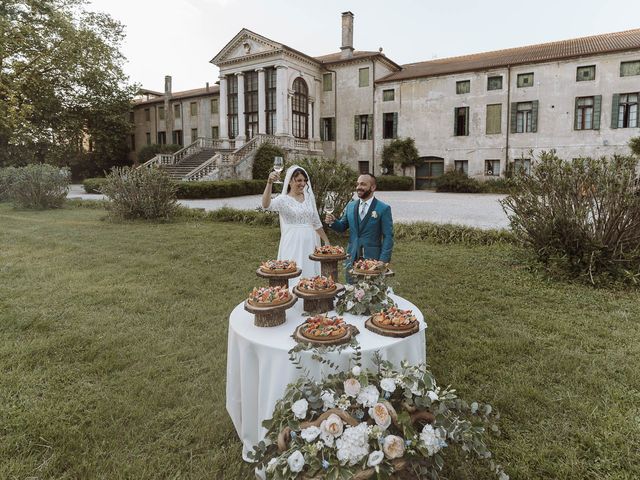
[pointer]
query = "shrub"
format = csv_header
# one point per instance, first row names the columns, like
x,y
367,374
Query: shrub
x,y
149,151
393,182
449,234
580,218
145,193
6,178
497,185
38,186
220,188
330,177
456,181
263,160
634,145
93,185
402,151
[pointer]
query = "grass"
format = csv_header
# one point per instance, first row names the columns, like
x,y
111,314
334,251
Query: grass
x,y
113,350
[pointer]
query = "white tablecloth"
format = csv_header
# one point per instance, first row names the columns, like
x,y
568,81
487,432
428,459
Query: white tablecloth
x,y
258,366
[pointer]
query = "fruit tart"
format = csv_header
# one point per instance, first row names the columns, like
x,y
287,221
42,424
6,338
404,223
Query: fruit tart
x,y
369,266
329,251
269,296
317,284
321,327
394,318
278,266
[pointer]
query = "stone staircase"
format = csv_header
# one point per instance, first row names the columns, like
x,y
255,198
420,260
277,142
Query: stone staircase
x,y
179,170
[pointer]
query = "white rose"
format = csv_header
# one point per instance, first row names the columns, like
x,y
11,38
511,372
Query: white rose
x,y
326,437
351,387
388,385
350,305
368,396
380,414
310,434
393,446
328,400
375,458
353,446
433,439
432,395
356,371
296,461
333,425
299,408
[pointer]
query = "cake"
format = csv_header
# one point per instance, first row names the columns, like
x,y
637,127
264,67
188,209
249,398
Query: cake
x,y
369,266
329,251
278,266
269,296
317,284
321,327
394,318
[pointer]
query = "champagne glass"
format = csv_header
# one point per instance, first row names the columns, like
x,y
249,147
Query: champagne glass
x,y
329,204
278,166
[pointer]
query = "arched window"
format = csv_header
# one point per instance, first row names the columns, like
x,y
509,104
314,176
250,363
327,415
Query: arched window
x,y
300,108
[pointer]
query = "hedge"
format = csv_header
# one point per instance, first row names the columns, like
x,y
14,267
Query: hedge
x,y
199,190
394,182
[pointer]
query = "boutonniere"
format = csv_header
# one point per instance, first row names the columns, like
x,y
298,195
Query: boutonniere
x,y
374,214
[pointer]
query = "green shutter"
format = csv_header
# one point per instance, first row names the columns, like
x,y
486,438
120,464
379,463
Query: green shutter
x,y
333,129
534,116
466,120
355,127
369,127
514,112
597,108
322,125
455,122
615,107
395,124
575,115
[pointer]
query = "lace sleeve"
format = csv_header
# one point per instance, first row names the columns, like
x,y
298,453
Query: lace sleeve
x,y
276,204
316,223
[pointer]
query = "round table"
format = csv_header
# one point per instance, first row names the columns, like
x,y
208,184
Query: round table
x,y
259,370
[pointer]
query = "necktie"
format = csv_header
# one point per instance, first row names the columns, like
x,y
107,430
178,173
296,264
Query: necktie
x,y
363,210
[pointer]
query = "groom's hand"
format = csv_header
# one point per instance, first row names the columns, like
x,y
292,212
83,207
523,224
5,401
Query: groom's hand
x,y
329,219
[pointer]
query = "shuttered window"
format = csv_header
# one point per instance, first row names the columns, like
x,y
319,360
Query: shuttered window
x,y
388,95
193,107
525,80
327,83
494,118
176,110
463,86
494,83
584,74
363,77
328,129
492,168
625,112
362,127
524,117
461,121
628,69
160,113
390,125
587,113
461,166
215,105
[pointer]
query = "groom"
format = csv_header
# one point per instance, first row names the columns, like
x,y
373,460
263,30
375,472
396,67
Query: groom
x,y
369,222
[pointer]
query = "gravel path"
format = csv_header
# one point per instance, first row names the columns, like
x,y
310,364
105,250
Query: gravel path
x,y
474,210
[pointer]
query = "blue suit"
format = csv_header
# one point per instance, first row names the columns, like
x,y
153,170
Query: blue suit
x,y
371,237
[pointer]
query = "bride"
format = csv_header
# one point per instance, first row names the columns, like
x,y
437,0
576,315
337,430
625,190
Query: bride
x,y
300,225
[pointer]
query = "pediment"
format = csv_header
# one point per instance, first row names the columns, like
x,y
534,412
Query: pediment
x,y
246,44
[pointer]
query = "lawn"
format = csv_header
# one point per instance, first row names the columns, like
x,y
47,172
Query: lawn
x,y
113,350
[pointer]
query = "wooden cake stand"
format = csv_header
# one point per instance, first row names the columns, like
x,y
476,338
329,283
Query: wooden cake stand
x,y
270,316
318,302
328,264
278,279
388,332
352,331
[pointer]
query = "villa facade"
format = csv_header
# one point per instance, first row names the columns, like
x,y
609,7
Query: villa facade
x,y
476,113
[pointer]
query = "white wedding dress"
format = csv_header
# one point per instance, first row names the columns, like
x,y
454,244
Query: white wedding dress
x,y
298,224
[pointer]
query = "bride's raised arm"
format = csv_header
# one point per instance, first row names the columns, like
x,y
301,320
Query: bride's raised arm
x,y
266,195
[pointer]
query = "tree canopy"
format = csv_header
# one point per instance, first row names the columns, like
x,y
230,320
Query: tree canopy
x,y
61,85
402,151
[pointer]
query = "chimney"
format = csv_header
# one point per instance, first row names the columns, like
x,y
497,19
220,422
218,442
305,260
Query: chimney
x,y
207,89
347,35
167,85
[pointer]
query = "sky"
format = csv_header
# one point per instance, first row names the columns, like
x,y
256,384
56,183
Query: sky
x,y
180,37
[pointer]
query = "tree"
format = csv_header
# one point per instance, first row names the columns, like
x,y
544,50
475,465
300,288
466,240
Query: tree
x,y
62,88
402,151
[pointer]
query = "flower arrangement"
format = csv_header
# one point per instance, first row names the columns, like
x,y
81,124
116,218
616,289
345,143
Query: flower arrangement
x,y
365,297
361,424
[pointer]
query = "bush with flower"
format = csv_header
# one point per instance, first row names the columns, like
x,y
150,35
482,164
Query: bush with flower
x,y
365,297
362,424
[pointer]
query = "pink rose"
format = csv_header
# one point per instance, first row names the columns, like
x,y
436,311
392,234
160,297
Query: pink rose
x,y
359,294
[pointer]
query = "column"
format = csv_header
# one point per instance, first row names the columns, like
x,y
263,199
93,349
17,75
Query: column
x,y
316,111
310,118
241,127
222,109
281,99
262,102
